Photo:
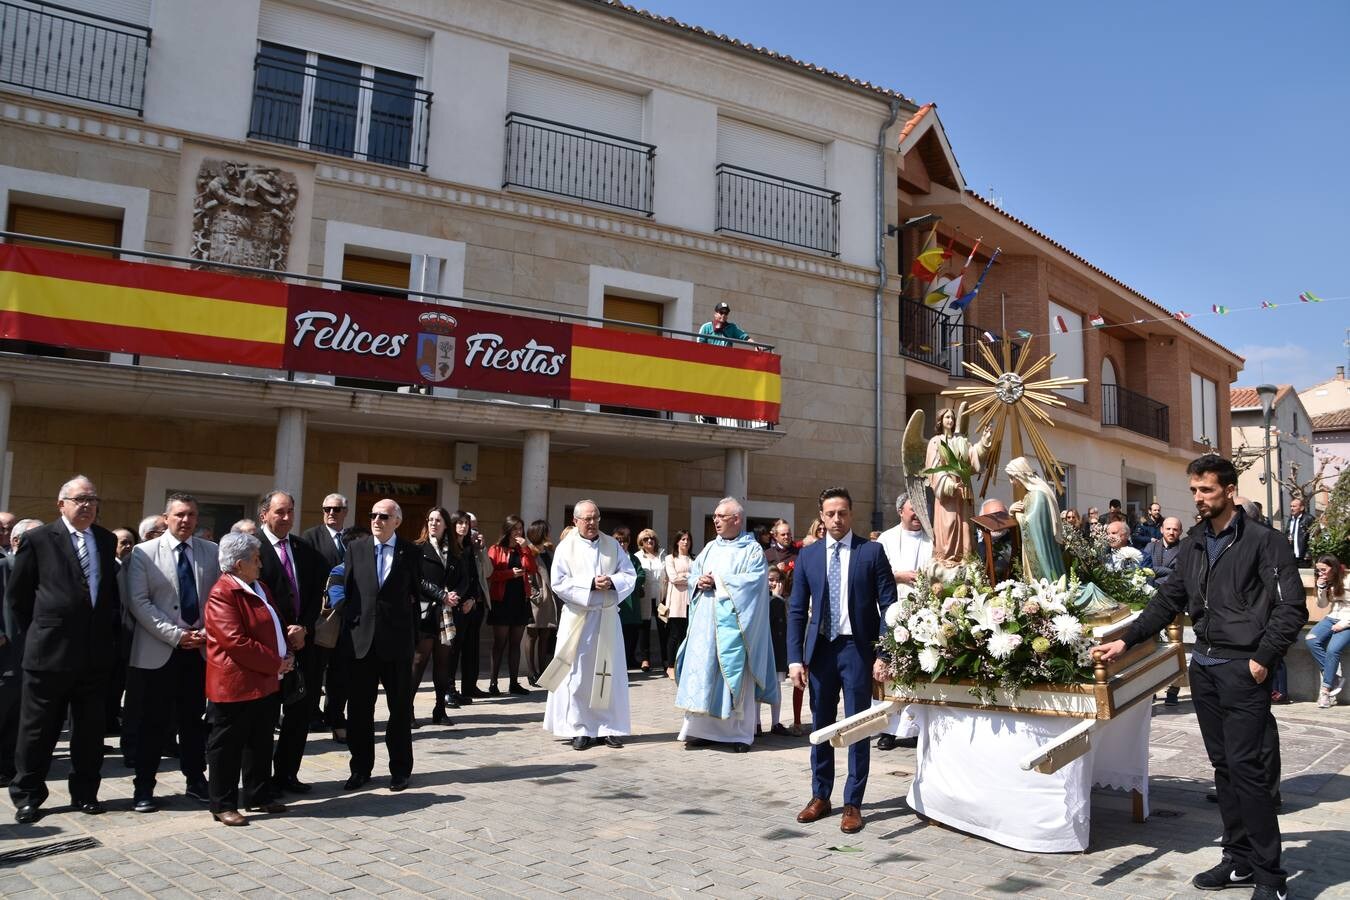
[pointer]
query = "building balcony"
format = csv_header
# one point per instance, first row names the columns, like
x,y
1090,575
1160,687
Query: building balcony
x,y
776,209
561,159
1138,413
55,51
337,107
933,337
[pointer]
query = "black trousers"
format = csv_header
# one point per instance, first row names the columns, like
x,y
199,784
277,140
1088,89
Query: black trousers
x,y
11,684
241,741
676,629
466,652
172,697
42,712
1234,716
631,634
295,717
337,677
367,675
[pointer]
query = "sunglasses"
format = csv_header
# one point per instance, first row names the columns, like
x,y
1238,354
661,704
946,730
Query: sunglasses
x,y
383,517
334,509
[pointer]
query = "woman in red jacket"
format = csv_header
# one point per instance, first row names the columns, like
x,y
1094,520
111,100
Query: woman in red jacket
x,y
513,562
246,655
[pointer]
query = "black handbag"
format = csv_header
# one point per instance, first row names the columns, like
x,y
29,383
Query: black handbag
x,y
292,687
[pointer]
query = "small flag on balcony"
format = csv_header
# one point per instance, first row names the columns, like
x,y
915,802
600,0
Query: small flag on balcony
x,y
1060,325
1181,316
966,299
1023,333
1097,322
944,290
1219,310
928,262
1306,297
1266,304
991,337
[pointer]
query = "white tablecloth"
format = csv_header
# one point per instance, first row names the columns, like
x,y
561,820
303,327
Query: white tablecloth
x,y
968,775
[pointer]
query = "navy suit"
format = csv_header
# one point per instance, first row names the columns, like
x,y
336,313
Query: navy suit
x,y
845,663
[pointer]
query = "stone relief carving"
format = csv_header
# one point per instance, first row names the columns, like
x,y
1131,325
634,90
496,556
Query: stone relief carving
x,y
242,214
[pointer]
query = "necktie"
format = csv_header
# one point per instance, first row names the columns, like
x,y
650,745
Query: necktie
x,y
832,579
1295,541
82,551
379,563
341,550
290,574
188,608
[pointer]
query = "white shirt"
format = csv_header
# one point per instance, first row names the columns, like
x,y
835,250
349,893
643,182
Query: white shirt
x,y
845,549
257,591
906,550
87,539
384,559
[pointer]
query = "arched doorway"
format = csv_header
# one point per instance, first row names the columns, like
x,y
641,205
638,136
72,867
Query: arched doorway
x,y
1110,393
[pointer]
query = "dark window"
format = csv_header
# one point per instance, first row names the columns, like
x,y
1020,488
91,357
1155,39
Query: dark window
x,y
392,105
337,90
278,94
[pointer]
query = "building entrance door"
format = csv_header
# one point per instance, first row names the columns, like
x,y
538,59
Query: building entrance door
x,y
1138,496
416,496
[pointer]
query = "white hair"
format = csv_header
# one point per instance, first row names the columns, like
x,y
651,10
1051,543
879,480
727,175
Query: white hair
x,y
338,497
236,547
576,507
731,501
78,479
900,500
398,510
146,524
21,526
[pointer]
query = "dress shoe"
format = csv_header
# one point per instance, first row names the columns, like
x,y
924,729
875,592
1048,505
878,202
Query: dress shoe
x,y
740,747
438,716
340,735
886,742
694,743
26,815
478,694
199,791
852,820
91,807
294,785
145,805
462,699
612,740
493,690
398,783
230,817
581,742
452,701
272,807
355,782
516,689
780,729
816,809
910,743
415,724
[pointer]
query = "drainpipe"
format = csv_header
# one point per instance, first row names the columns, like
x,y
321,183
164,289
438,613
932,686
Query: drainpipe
x,y
877,448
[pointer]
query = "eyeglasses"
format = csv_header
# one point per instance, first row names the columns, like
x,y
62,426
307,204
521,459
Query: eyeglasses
x,y
383,517
334,509
588,518
83,500
726,516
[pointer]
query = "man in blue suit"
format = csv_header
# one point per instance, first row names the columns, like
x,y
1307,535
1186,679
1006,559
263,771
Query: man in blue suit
x,y
840,590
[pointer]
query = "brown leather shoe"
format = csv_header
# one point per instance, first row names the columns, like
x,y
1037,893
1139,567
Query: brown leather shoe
x,y
852,821
816,809
230,817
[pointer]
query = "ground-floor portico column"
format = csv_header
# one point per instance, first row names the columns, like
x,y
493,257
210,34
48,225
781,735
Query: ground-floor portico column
x,y
736,477
6,401
534,476
289,466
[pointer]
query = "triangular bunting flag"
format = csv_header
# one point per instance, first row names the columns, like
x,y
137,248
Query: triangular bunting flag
x,y
1023,333
1266,304
1181,316
1309,298
1060,325
1219,310
1097,322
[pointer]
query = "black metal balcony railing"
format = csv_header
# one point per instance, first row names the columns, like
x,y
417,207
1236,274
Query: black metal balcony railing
x,y
777,209
384,119
933,337
561,159
51,49
1138,413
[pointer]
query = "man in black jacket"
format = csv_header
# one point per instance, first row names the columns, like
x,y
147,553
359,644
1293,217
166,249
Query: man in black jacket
x,y
1238,581
62,593
380,613
326,538
1296,529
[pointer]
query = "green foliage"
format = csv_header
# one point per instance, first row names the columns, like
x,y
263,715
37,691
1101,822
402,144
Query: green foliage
x,y
1331,532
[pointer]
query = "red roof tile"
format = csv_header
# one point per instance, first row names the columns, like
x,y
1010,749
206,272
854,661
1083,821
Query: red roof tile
x,y
1332,421
914,120
1248,398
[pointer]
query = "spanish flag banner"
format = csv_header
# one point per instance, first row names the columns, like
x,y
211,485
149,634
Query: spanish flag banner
x,y
53,297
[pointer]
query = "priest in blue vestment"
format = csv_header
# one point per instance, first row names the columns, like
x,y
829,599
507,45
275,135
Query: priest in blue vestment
x,y
725,668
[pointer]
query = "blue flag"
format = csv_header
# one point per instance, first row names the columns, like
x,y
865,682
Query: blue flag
x,y
966,299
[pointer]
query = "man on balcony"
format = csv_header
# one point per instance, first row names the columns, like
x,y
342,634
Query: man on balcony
x,y
720,328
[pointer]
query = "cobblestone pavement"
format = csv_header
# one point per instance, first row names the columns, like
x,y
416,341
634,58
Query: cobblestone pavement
x,y
499,808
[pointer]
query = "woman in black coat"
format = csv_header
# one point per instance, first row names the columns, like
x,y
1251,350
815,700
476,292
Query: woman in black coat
x,y
441,589
468,616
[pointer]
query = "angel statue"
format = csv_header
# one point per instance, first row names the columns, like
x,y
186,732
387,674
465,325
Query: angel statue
x,y
1038,521
950,462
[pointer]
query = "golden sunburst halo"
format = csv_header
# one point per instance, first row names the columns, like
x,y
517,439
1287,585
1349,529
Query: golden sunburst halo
x,y
1009,400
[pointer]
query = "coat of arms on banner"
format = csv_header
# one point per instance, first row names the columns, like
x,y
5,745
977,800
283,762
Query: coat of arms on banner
x,y
436,345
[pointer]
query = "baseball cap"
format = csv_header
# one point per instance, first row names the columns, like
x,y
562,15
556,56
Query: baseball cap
x,y
722,308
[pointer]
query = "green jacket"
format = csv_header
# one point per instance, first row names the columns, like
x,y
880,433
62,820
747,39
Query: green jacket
x,y
630,610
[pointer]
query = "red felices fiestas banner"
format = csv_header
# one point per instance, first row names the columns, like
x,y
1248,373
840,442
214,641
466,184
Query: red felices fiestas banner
x,y
53,297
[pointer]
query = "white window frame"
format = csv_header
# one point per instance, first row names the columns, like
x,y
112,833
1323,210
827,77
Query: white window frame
x,y
1204,416
1063,345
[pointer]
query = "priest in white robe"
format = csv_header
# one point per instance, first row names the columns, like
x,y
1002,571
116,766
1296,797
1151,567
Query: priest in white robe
x,y
725,668
909,549
587,680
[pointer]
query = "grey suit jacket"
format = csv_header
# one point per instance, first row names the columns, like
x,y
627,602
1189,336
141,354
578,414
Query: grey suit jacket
x,y
152,596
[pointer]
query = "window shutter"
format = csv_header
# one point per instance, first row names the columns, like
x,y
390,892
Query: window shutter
x,y
370,270
66,226
771,152
348,39
581,104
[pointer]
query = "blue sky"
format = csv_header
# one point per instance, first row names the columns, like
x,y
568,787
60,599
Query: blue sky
x,y
1196,151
